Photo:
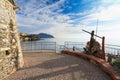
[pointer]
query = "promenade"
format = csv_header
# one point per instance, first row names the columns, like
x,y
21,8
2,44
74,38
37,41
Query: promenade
x,y
54,66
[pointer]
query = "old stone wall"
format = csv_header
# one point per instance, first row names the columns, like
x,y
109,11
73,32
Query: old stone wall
x,y
10,51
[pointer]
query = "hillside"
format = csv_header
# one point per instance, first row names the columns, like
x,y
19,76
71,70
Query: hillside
x,y
45,35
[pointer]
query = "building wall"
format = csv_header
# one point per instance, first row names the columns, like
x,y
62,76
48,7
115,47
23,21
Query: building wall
x,y
11,57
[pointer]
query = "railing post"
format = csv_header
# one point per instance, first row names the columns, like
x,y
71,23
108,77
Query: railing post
x,y
73,48
103,48
55,47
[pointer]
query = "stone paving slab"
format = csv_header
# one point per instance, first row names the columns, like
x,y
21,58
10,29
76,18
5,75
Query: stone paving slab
x,y
53,66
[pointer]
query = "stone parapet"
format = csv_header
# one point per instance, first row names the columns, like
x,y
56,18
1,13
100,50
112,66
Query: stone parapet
x,y
100,62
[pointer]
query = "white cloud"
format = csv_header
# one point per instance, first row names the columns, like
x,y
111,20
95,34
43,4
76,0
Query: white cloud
x,y
44,14
48,18
58,23
110,13
103,13
110,1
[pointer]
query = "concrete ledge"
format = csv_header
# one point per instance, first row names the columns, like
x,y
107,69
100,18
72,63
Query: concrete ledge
x,y
102,63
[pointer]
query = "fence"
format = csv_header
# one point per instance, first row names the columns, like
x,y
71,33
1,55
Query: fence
x,y
113,50
39,46
110,49
51,46
78,46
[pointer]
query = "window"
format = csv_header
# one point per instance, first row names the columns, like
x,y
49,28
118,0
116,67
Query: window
x,y
7,52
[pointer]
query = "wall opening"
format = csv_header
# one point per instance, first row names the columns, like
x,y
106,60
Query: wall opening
x,y
7,52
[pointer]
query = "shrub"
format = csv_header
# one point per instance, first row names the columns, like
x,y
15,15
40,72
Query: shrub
x,y
116,65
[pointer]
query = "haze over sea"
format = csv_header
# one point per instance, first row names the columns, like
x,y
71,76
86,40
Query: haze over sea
x,y
61,41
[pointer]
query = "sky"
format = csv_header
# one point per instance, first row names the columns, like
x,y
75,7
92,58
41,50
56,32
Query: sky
x,y
67,18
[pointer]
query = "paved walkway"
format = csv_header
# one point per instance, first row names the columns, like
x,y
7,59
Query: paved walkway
x,y
51,66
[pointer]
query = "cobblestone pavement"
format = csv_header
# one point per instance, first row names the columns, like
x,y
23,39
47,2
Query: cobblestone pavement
x,y
53,66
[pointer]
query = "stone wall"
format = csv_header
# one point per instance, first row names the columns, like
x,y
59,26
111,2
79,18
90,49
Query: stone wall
x,y
11,57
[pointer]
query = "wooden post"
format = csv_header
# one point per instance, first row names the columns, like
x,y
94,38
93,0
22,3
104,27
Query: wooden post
x,y
103,48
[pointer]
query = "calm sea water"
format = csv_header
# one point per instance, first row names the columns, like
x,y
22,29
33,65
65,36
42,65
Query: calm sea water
x,y
59,41
58,44
48,44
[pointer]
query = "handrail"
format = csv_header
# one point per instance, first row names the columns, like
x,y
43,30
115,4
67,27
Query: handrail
x,y
112,45
113,50
38,46
109,49
76,45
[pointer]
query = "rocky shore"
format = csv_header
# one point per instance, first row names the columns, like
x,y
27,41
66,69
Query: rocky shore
x,y
28,37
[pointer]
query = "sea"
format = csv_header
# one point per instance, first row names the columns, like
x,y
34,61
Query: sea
x,y
58,44
53,44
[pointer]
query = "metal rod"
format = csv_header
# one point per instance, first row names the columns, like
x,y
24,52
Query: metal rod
x,y
90,33
97,27
86,31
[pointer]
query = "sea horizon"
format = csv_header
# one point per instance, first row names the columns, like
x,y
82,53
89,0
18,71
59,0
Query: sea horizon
x,y
63,40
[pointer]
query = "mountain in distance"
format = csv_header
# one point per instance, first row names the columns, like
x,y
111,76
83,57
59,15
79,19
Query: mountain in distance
x,y
45,35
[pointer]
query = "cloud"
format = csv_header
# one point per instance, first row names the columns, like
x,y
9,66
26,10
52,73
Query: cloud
x,y
108,15
110,1
47,16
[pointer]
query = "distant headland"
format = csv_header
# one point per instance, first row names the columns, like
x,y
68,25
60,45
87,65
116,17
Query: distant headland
x,y
34,37
45,35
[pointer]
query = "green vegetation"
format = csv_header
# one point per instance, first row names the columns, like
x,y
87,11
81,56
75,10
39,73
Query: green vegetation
x,y
116,65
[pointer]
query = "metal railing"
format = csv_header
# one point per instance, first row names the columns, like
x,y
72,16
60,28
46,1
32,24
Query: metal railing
x,y
78,46
110,49
39,46
113,50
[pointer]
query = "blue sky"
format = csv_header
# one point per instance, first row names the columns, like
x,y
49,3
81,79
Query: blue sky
x,y
67,18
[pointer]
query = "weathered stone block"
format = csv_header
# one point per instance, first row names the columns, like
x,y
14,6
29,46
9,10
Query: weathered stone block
x,y
2,55
3,26
2,4
4,16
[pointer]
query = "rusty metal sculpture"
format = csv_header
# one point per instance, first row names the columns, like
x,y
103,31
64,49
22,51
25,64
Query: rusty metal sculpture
x,y
93,47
